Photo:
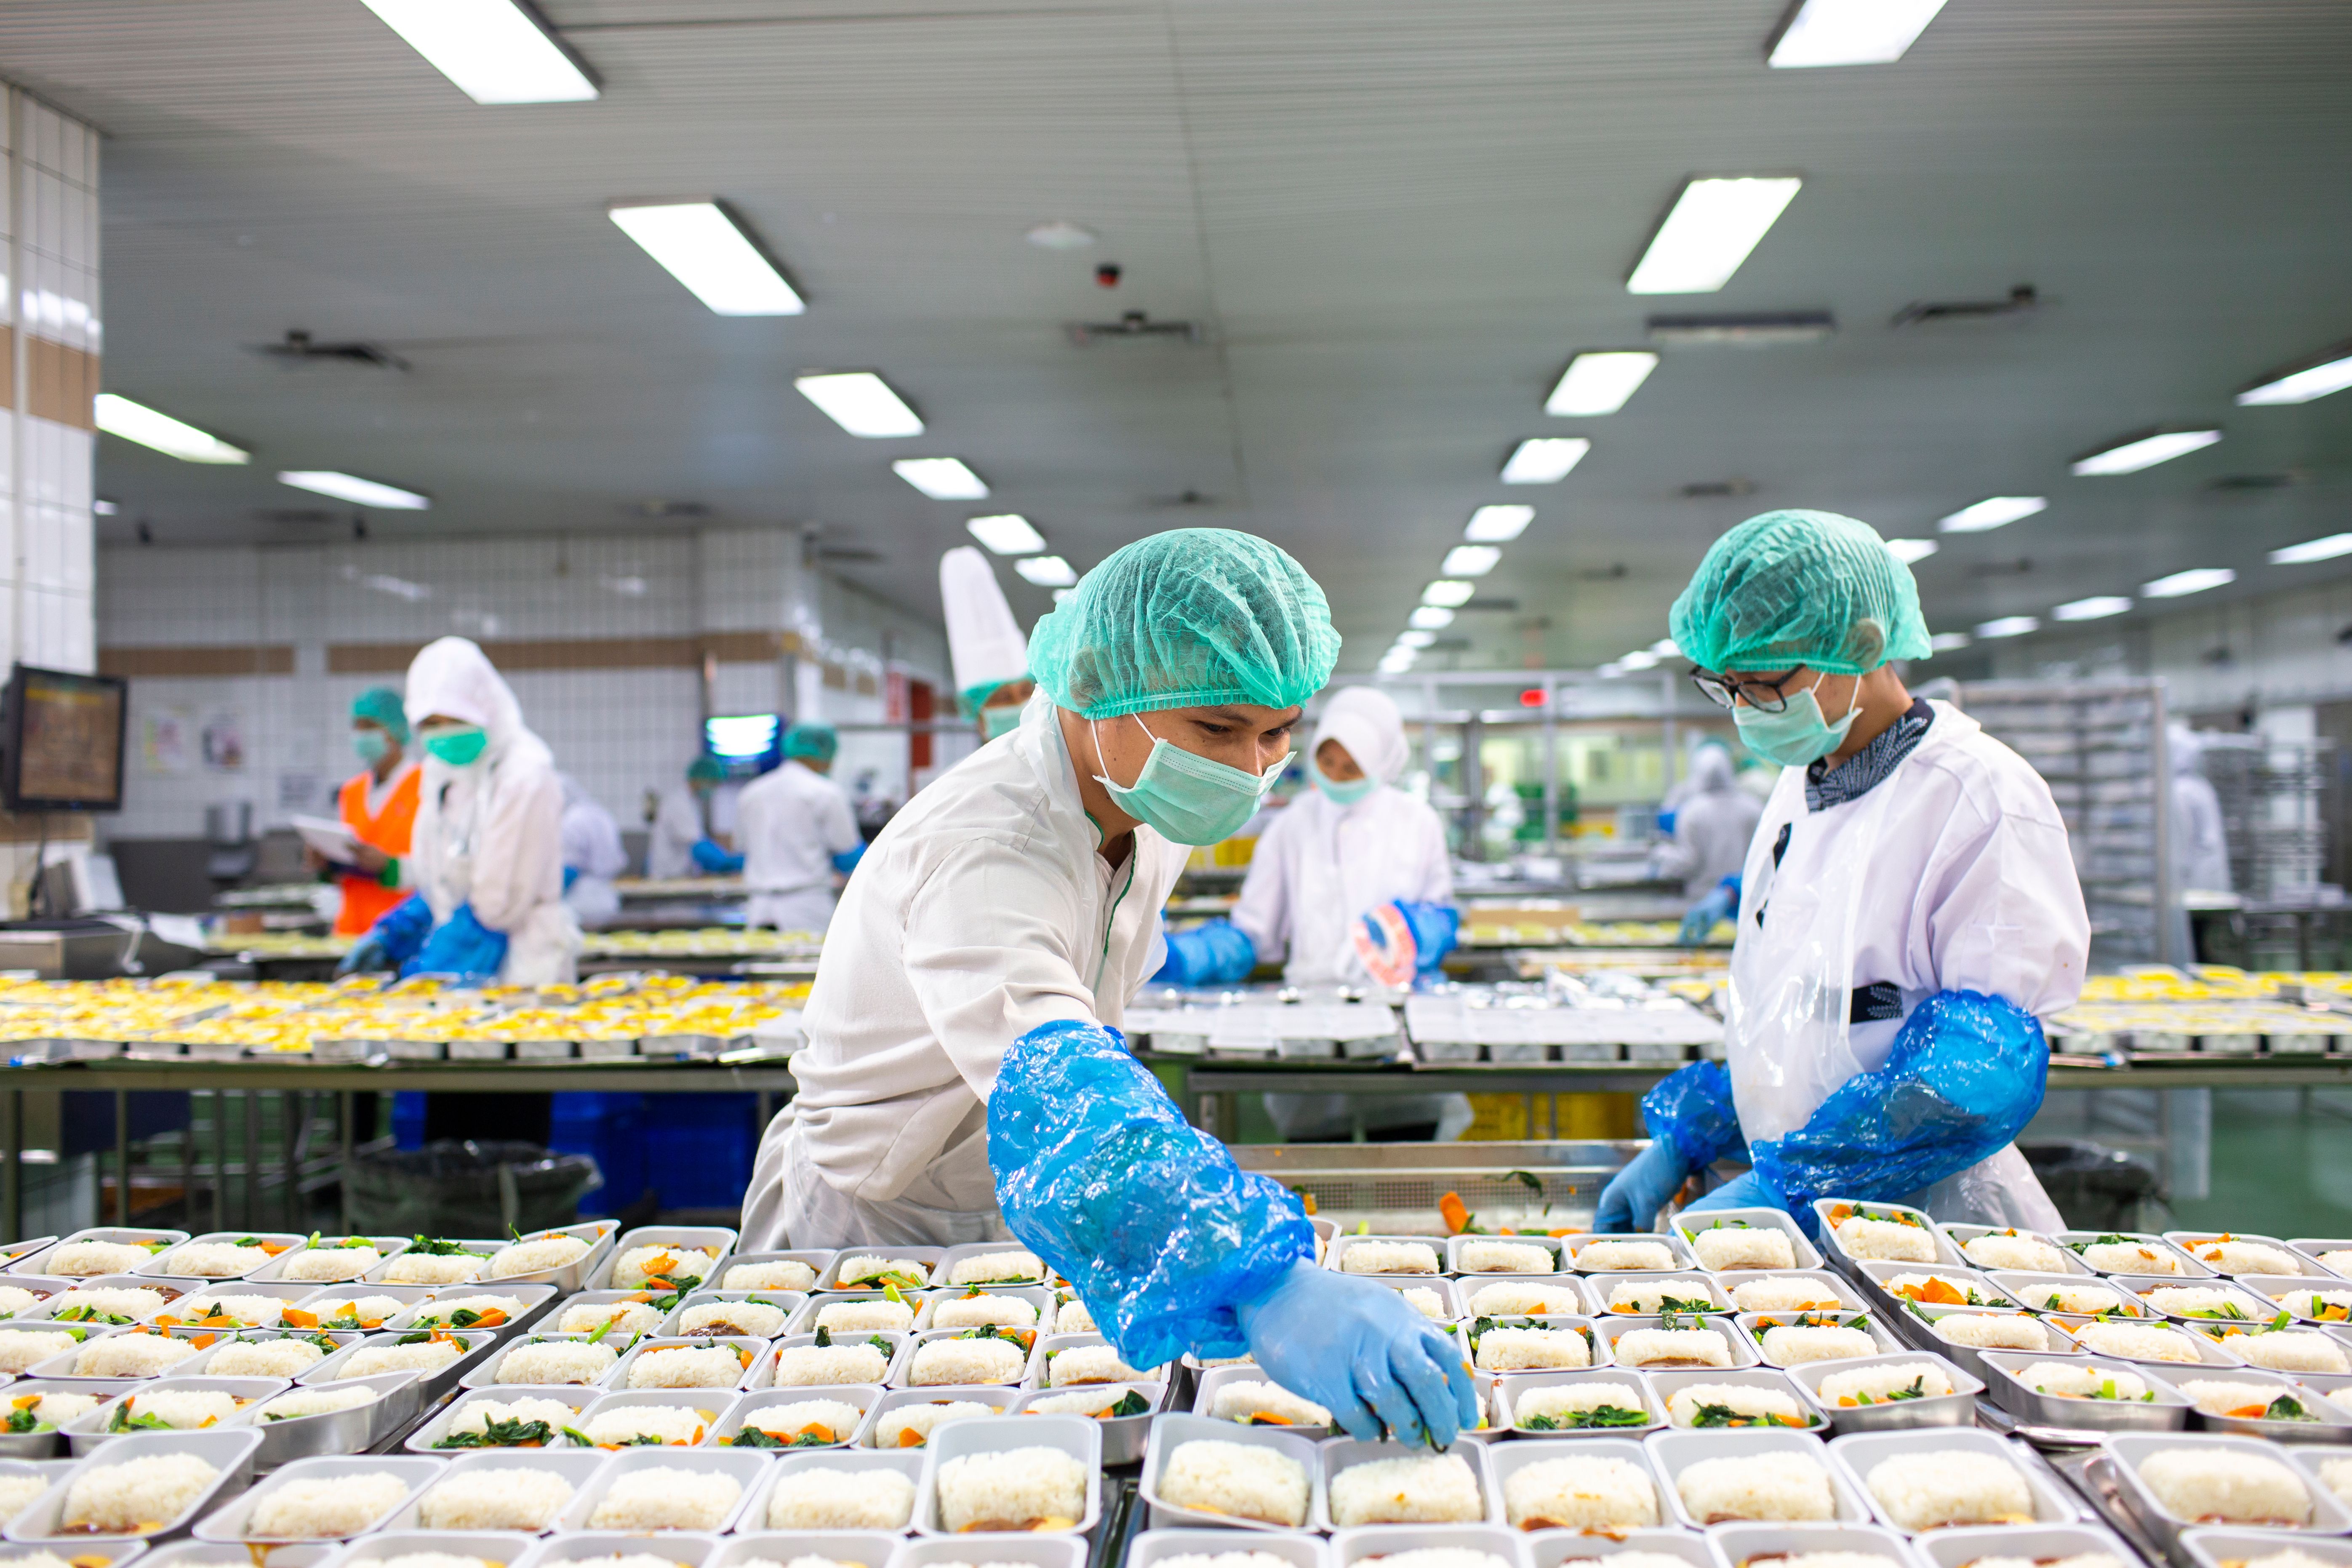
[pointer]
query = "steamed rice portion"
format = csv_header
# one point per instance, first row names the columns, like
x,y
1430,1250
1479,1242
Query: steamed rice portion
x,y
1562,1402
510,1498
271,1358
1014,1267
2246,1400
309,1510
1926,1489
2136,1342
1992,1330
1863,1237
829,1419
776,1274
1648,1298
880,1314
1796,1346
1673,1348
2013,1249
535,1256
2291,1349
1242,1401
962,1361
2130,1258
304,1402
2235,1255
819,1498
1425,1488
132,1355
911,1425
812,1366
476,1415
662,1498
2221,1485
1580,1492
1533,1349
211,1259
1776,1406
15,1299
1775,1486
434,1269
2202,1301
80,1259
1095,1399
370,1311
2333,1305
1624,1257
425,1355
253,1311
1743,1246
2089,1300
753,1320
874,1270
688,1366
17,1492
1390,1258
673,1425
2081,1380
1784,1293
21,1348
56,1409
626,1317
182,1409
1521,1299
675,1264
112,1301
146,1492
331,1263
1075,1317
553,1360
2336,1475
1488,1256
975,1311
1877,1382
1237,1481
1096,1363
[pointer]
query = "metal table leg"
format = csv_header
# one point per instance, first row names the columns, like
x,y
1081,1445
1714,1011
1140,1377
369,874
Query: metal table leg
x,y
220,1158
11,1180
249,1200
343,1184
121,1162
293,1120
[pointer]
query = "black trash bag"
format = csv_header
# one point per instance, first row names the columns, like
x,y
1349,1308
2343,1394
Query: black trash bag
x,y
2096,1187
468,1189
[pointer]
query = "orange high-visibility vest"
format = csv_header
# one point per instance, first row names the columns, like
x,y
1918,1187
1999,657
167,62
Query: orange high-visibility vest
x,y
365,898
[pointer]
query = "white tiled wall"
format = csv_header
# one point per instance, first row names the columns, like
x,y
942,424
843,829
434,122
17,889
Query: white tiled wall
x,y
49,291
620,731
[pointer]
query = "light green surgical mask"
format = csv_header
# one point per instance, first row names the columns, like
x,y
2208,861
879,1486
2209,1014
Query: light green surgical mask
x,y
371,744
1187,797
996,721
1798,734
458,747
1340,793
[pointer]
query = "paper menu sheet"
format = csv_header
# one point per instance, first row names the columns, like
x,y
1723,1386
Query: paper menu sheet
x,y
328,837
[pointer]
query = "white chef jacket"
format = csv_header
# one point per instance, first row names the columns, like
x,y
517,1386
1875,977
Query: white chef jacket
x,y
677,829
1319,865
982,911
1951,874
789,824
1714,821
593,848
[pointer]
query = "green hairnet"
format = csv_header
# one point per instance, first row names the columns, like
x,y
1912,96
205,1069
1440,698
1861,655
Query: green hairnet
x,y
705,769
816,740
382,707
1787,588
1185,619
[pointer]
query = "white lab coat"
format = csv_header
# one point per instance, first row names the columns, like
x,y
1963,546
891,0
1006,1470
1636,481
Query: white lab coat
x,y
982,911
1318,866
790,824
1952,874
592,846
491,834
677,829
1713,820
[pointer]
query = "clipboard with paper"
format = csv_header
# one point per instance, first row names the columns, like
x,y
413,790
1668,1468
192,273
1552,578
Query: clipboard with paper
x,y
331,838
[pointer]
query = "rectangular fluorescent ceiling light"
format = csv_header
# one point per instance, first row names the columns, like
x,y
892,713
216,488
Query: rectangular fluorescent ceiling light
x,y
702,246
1994,511
1047,572
1432,618
1448,594
1666,647
1907,551
2196,580
1499,524
1850,32
2332,374
1545,461
1416,638
1712,227
1396,661
1950,642
136,422
496,51
2326,549
1600,382
860,402
942,479
1470,559
1640,658
352,489
1007,533
2008,627
2143,452
2096,608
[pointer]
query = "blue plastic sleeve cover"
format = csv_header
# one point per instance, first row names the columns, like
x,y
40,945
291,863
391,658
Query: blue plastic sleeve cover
x,y
1437,929
1965,1076
461,944
1147,1216
1691,1111
847,861
710,858
570,875
1216,954
401,929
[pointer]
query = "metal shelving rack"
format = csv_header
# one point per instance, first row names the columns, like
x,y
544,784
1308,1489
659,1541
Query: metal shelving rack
x,y
2100,746
2271,793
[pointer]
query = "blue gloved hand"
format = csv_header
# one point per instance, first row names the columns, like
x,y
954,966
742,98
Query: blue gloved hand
x,y
1633,1196
1748,1190
1216,954
366,956
1436,931
1723,904
570,875
461,945
1359,1350
710,858
847,861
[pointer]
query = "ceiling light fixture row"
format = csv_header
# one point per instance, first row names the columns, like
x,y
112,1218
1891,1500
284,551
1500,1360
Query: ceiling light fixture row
x,y
118,415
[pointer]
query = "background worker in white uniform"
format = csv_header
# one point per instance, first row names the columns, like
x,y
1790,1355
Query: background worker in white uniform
x,y
961,1049
680,843
1352,842
797,830
2200,850
1713,820
487,848
990,656
593,854
1908,912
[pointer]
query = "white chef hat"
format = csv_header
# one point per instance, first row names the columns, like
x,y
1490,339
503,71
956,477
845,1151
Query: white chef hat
x,y
985,644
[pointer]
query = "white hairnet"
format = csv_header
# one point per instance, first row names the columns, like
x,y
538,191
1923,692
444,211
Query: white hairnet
x,y
1365,721
1711,770
985,644
2187,752
451,677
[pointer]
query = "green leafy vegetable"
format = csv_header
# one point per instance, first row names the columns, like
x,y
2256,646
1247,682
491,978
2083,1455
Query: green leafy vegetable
x,y
824,1337
1131,1404
436,1248
1577,1420
124,1421
2286,1407
23,1420
507,1434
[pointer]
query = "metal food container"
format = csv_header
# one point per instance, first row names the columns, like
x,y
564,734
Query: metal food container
x,y
2330,1425
1549,1549
1919,1325
735,1411
2212,1545
2209,1351
1466,1334
1375,1540
434,1383
2034,1291
567,1277
1805,1254
1832,1286
1857,1455
49,1445
386,1247
893,1349
2315,1247
1124,1436
1294,1548
818,1261
1579,1243
1574,1289
1505,1459
87,1433
2074,1241
925,1257
424,1440
1664,1386
1695,1286
2132,1450
2168,1411
399,1397
229,1451
928,1303
1048,1346
1451,1249
1510,1388
1339,1453
1614,1329
1074,1434
2271,1287
804,1317
1756,1325
1674,1452
1957,1408
716,1240
788,1302
1960,1236
1946,1253
1336,1255
1002,1400
2189,1241
1872,1277
234,1521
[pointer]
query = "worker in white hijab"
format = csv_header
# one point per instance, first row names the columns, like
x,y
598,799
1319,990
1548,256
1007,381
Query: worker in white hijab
x,y
487,848
593,853
1352,843
985,645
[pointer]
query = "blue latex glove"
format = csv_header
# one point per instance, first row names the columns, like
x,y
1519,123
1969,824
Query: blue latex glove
x,y
847,861
1667,824
397,934
1099,1174
1723,904
1748,1190
570,875
461,945
1633,1196
1963,1078
1216,954
1436,931
365,957
715,860
1359,1350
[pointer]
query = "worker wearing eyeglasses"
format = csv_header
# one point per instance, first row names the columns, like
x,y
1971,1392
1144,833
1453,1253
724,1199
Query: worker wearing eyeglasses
x,y
1908,911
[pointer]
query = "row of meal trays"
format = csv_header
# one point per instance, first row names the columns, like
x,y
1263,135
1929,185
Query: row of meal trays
x,y
1682,1246
349,1049
591,1268
2191,1254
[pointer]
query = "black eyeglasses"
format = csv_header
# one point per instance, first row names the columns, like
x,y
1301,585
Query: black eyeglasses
x,y
1726,690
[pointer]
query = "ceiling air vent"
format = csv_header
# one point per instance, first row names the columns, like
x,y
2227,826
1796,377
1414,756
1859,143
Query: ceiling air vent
x,y
2023,302
1743,332
1135,326
298,349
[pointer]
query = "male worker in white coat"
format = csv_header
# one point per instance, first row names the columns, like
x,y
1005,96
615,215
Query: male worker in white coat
x,y
796,831
1908,912
963,1077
